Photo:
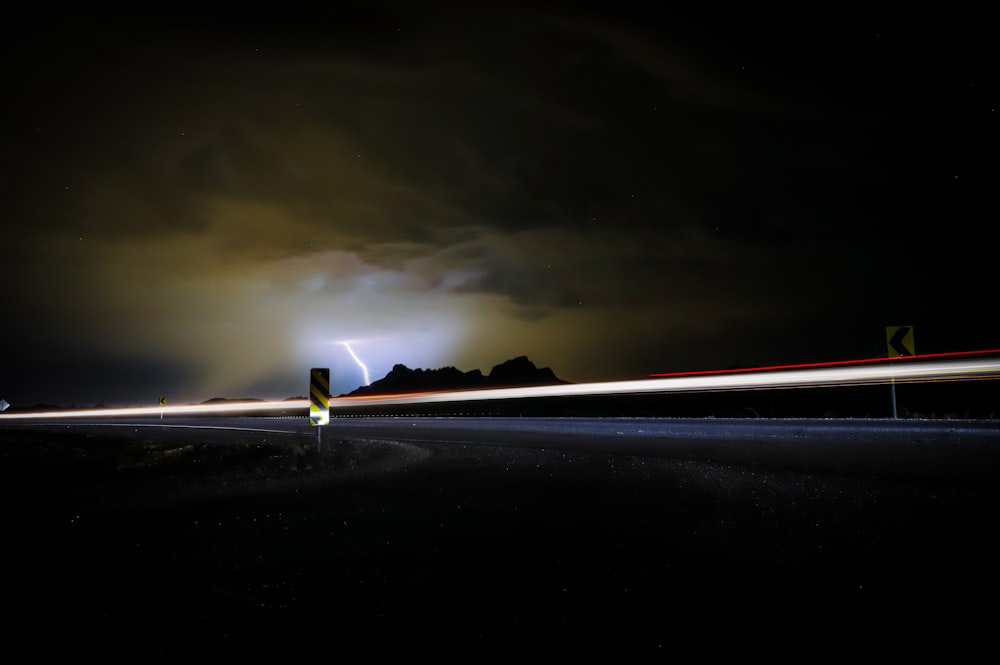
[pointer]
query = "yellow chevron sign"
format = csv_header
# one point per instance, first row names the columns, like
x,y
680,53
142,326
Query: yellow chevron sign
x,y
319,396
900,341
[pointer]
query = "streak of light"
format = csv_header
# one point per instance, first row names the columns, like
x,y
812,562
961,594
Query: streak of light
x,y
762,380
833,363
364,369
940,370
232,408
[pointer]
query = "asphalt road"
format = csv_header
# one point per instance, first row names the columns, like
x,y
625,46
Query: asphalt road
x,y
434,536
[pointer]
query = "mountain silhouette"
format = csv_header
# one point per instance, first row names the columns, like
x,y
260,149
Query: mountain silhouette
x,y
515,372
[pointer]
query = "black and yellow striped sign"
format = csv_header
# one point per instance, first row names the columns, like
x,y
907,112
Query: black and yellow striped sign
x,y
319,396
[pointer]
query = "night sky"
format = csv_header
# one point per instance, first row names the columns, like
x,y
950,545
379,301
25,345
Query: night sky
x,y
201,202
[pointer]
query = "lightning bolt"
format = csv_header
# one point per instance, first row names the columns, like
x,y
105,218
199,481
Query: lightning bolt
x,y
358,361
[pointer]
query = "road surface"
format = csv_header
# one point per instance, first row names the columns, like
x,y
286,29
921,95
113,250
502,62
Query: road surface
x,y
407,536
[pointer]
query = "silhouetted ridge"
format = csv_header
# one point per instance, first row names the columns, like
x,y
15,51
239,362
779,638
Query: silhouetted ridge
x,y
217,400
521,372
515,372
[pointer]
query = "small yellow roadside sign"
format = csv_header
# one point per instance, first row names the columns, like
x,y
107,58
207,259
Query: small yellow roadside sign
x,y
900,341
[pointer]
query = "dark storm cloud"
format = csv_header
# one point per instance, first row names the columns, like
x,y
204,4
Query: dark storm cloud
x,y
461,126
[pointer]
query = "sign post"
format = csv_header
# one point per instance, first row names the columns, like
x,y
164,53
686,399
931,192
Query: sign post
x,y
319,400
900,342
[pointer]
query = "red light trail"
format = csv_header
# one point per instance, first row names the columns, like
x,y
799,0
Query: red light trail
x,y
833,363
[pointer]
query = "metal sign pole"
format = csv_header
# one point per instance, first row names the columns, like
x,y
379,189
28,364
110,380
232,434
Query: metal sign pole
x,y
893,380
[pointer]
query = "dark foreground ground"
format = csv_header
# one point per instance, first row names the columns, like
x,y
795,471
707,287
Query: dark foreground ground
x,y
174,543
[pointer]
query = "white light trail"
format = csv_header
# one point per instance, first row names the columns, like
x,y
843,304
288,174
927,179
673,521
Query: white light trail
x,y
840,376
763,380
235,408
358,361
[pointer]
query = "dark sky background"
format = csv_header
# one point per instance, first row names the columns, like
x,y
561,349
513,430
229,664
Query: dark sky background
x,y
205,201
